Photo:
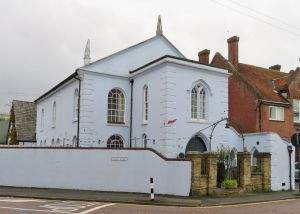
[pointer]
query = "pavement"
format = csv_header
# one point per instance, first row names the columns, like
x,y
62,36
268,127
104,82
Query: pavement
x,y
140,198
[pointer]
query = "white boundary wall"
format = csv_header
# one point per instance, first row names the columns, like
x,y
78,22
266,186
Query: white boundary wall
x,y
94,169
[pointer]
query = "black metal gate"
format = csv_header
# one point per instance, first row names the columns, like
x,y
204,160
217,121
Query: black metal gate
x,y
228,169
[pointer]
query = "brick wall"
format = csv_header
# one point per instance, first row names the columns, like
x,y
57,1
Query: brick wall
x,y
284,128
242,106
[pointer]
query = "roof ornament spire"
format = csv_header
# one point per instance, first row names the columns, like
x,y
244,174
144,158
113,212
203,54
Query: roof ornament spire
x,y
159,31
87,53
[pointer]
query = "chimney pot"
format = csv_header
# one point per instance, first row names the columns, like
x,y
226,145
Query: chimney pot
x,y
233,50
204,56
276,67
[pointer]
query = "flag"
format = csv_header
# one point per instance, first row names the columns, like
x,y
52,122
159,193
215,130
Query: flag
x,y
170,122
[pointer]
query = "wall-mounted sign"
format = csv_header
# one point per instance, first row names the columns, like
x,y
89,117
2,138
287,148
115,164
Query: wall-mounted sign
x,y
119,159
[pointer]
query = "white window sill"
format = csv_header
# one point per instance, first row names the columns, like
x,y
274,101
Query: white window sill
x,y
116,124
75,121
276,120
199,121
144,123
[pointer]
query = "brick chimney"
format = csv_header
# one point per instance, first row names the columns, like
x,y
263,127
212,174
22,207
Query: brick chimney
x,y
233,50
204,56
276,67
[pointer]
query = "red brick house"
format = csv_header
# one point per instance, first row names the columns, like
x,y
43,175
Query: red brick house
x,y
260,99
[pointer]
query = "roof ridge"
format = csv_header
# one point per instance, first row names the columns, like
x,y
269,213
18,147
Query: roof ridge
x,y
267,69
132,46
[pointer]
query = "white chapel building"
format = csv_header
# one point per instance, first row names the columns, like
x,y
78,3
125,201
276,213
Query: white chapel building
x,y
149,96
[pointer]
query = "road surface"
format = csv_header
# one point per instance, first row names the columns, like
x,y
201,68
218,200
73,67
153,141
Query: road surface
x,y
28,206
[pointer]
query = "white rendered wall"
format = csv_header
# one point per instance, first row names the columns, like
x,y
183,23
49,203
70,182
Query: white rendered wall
x,y
94,129
65,127
169,88
272,143
108,170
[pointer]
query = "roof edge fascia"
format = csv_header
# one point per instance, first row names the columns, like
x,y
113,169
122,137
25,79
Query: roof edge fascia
x,y
57,87
180,61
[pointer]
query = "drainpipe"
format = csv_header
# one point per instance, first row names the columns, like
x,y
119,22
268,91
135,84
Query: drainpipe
x,y
259,109
290,150
78,119
131,101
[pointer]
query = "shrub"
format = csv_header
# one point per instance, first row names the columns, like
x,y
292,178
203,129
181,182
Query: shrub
x,y
230,184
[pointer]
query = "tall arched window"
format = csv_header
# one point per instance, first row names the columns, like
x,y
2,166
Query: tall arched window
x,y
75,104
54,114
145,104
42,118
144,140
198,103
115,141
116,107
58,142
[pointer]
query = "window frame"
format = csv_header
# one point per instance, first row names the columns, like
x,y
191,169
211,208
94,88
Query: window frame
x,y
76,105
296,111
54,114
117,113
114,145
145,104
198,103
42,119
144,140
277,113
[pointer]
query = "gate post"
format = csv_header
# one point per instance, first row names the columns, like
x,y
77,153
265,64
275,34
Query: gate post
x,y
244,165
265,164
195,157
212,172
204,173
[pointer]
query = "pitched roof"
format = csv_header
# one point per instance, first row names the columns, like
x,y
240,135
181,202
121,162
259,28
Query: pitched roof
x,y
61,84
178,60
25,120
264,82
262,79
131,58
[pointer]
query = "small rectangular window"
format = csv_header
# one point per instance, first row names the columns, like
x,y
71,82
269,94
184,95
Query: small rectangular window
x,y
276,113
296,108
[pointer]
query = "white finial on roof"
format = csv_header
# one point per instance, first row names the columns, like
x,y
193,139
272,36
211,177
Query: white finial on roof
x,y
87,53
159,27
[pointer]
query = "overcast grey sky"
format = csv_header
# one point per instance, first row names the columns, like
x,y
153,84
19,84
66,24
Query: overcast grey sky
x,y
42,41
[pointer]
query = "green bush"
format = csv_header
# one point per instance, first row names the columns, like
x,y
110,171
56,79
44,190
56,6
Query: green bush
x,y
230,184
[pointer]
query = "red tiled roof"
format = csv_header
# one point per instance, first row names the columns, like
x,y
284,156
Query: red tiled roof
x,y
281,83
262,80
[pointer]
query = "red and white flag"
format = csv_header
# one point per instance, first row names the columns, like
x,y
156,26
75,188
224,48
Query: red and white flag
x,y
170,122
